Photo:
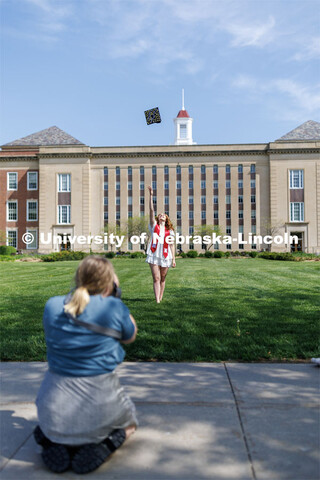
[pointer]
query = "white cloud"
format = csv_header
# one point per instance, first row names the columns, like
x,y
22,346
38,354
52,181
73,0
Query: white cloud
x,y
310,49
250,35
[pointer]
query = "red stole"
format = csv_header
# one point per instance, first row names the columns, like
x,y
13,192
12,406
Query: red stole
x,y
165,245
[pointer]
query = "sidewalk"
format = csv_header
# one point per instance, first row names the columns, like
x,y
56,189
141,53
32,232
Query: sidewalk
x,y
230,421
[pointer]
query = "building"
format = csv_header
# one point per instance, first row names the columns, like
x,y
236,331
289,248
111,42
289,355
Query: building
x,y
52,185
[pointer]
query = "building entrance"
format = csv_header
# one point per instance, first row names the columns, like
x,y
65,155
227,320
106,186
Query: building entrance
x,y
297,247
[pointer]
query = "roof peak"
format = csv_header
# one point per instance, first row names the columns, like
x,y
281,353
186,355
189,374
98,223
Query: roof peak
x,y
49,136
183,113
309,130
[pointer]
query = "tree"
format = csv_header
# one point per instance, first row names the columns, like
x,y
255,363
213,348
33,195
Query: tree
x,y
271,228
203,230
114,229
3,237
137,226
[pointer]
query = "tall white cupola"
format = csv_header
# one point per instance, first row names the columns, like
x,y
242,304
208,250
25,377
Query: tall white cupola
x,y
183,127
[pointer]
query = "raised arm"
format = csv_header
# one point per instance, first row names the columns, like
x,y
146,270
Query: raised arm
x,y
151,209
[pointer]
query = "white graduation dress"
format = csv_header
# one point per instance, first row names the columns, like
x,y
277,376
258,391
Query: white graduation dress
x,y
156,257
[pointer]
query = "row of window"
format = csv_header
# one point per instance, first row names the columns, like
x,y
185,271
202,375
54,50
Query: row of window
x,y
203,200
32,211
32,181
12,239
190,169
215,185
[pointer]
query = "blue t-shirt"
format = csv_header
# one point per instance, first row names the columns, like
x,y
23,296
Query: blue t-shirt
x,y
74,350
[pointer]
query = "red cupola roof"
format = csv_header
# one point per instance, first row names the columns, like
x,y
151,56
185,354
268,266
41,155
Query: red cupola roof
x,y
183,114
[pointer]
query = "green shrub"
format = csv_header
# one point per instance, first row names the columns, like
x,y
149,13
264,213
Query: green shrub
x,y
192,254
137,255
236,253
110,255
218,254
243,254
227,254
253,254
63,256
286,256
5,250
202,255
7,258
208,254
183,255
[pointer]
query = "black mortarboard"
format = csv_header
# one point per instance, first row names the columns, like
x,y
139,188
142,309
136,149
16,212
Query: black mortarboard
x,y
152,116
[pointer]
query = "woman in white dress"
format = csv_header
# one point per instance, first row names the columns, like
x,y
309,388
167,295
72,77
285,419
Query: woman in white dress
x,y
160,254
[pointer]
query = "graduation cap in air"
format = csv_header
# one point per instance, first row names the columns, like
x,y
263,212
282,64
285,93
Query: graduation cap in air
x,y
152,116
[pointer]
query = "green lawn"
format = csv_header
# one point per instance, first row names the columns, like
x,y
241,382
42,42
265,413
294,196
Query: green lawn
x,y
213,309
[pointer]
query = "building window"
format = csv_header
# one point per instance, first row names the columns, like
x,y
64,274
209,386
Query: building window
x,y
105,185
154,170
105,200
240,228
241,246
34,244
254,246
141,200
166,170
178,200
178,169
253,184
12,210
215,168
296,211
129,170
12,181
117,185
117,200
203,215
253,229
215,199
216,214
228,246
253,199
178,215
228,230
32,181
12,238
64,214
203,184
191,230
215,184
240,215
190,169
105,216
240,184
166,200
178,185
190,214
141,170
228,184
228,213
203,200
130,185
190,200
228,199
129,200
296,178
64,182
154,200
190,184
183,130
105,171
141,185
117,215
166,185
129,214
240,198
203,169
117,170
32,210
252,168
130,246
154,185
253,214
240,168
227,168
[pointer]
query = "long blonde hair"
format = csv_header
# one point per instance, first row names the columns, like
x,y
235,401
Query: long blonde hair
x,y
94,275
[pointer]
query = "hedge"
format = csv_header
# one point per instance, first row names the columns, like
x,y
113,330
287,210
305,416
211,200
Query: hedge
x,y
5,250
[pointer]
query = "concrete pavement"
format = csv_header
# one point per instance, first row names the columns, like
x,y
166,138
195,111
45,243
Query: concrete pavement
x,y
231,421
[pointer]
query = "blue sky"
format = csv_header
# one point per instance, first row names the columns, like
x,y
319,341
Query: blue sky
x,y
250,69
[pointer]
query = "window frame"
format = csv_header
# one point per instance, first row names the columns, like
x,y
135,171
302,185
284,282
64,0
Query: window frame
x,y
300,179
301,212
8,181
60,175
28,212
28,181
16,202
32,230
15,230
68,214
